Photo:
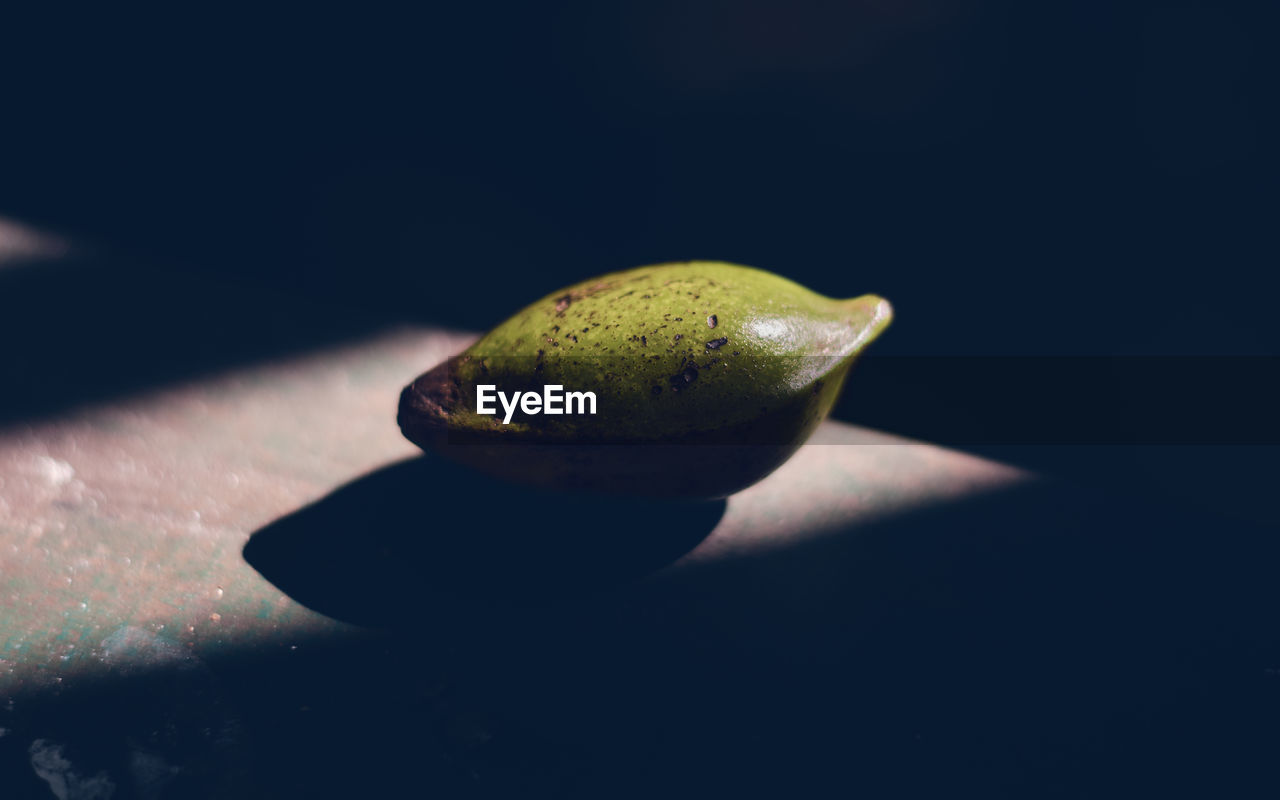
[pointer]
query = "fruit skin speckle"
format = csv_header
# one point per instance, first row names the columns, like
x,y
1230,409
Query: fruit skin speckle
x,y
638,339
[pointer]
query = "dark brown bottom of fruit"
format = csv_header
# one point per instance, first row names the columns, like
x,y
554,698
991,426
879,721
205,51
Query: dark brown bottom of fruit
x,y
705,464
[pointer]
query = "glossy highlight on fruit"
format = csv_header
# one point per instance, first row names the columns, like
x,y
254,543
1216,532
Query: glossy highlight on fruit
x,y
707,376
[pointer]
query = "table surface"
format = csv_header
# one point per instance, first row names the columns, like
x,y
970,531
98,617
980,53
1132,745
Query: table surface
x,y
136,513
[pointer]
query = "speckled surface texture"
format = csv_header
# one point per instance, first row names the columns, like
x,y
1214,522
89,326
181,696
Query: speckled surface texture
x,y
669,350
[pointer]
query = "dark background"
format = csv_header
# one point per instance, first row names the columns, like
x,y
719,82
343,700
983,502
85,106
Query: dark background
x,y
1030,178
1019,179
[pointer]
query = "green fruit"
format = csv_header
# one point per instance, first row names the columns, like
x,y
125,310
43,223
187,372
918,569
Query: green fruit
x,y
707,377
